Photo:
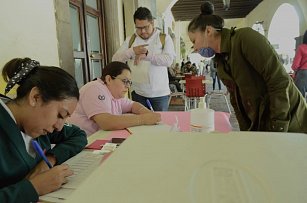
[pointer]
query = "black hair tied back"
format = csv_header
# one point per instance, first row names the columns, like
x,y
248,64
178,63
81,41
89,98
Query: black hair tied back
x,y
206,18
207,8
26,66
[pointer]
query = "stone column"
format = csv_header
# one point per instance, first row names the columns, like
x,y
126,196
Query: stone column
x,y
177,41
129,8
64,36
114,22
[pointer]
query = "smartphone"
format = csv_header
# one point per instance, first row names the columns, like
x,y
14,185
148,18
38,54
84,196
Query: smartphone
x,y
117,140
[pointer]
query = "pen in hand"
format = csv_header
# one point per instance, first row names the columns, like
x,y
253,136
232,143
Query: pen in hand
x,y
40,152
149,105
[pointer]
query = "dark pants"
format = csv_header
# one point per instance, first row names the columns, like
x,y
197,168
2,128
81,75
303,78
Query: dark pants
x,y
158,103
301,81
177,84
216,78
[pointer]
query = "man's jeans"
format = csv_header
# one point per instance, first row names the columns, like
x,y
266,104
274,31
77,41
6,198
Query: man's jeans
x,y
158,103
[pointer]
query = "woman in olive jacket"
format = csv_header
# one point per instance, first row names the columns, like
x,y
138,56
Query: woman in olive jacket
x,y
262,94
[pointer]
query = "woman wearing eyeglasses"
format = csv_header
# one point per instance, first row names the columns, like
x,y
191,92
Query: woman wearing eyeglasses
x,y
102,103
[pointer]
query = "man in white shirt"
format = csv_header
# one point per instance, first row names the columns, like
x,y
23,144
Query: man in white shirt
x,y
148,54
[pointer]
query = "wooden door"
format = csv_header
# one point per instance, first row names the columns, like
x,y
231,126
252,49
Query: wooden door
x,y
87,24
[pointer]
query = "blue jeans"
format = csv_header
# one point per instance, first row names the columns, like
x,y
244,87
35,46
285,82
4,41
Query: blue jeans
x,y
158,103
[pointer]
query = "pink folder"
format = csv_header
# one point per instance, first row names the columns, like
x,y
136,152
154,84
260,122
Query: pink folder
x,y
97,144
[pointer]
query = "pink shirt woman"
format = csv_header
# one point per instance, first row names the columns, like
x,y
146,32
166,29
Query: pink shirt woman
x,y
102,103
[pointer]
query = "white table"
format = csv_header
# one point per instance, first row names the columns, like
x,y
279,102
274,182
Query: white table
x,y
191,167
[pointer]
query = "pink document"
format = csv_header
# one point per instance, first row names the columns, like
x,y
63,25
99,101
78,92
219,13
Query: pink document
x,y
97,144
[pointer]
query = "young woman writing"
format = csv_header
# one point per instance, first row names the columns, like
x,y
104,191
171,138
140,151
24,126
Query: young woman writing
x,y
46,96
103,104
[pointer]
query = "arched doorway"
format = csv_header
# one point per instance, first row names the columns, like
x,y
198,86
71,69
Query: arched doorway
x,y
283,29
258,26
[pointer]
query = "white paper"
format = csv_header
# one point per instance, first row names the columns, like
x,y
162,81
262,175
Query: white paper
x,y
82,165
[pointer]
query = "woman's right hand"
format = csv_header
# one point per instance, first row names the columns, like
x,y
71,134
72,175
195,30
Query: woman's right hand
x,y
51,180
151,118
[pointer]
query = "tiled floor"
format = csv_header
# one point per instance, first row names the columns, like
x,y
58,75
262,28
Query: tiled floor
x,y
217,103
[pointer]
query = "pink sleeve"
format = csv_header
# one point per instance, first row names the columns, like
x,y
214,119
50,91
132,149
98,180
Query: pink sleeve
x,y
126,105
95,100
297,59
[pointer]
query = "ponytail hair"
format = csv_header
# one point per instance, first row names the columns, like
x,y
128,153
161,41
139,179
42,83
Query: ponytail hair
x,y
207,8
206,18
53,83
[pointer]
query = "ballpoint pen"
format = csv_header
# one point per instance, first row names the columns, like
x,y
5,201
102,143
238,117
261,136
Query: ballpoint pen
x,y
149,104
40,152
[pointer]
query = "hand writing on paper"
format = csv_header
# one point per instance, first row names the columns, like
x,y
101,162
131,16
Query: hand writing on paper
x,y
41,167
50,180
141,49
138,58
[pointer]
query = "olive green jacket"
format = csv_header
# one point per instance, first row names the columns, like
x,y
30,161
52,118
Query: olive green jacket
x,y
263,95
16,163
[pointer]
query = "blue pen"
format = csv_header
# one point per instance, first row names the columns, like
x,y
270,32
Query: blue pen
x,y
149,104
40,152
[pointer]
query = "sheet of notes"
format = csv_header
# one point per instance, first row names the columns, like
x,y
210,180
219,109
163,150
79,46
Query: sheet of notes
x,y
82,164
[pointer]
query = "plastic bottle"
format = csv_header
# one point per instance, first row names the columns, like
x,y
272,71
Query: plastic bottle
x,y
202,118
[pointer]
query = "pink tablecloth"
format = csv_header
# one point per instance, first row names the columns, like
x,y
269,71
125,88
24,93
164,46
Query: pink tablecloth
x,y
221,120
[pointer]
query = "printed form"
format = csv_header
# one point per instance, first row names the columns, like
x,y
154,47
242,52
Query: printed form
x,y
82,165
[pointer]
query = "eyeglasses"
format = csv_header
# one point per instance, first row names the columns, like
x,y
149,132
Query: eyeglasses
x,y
146,28
126,82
